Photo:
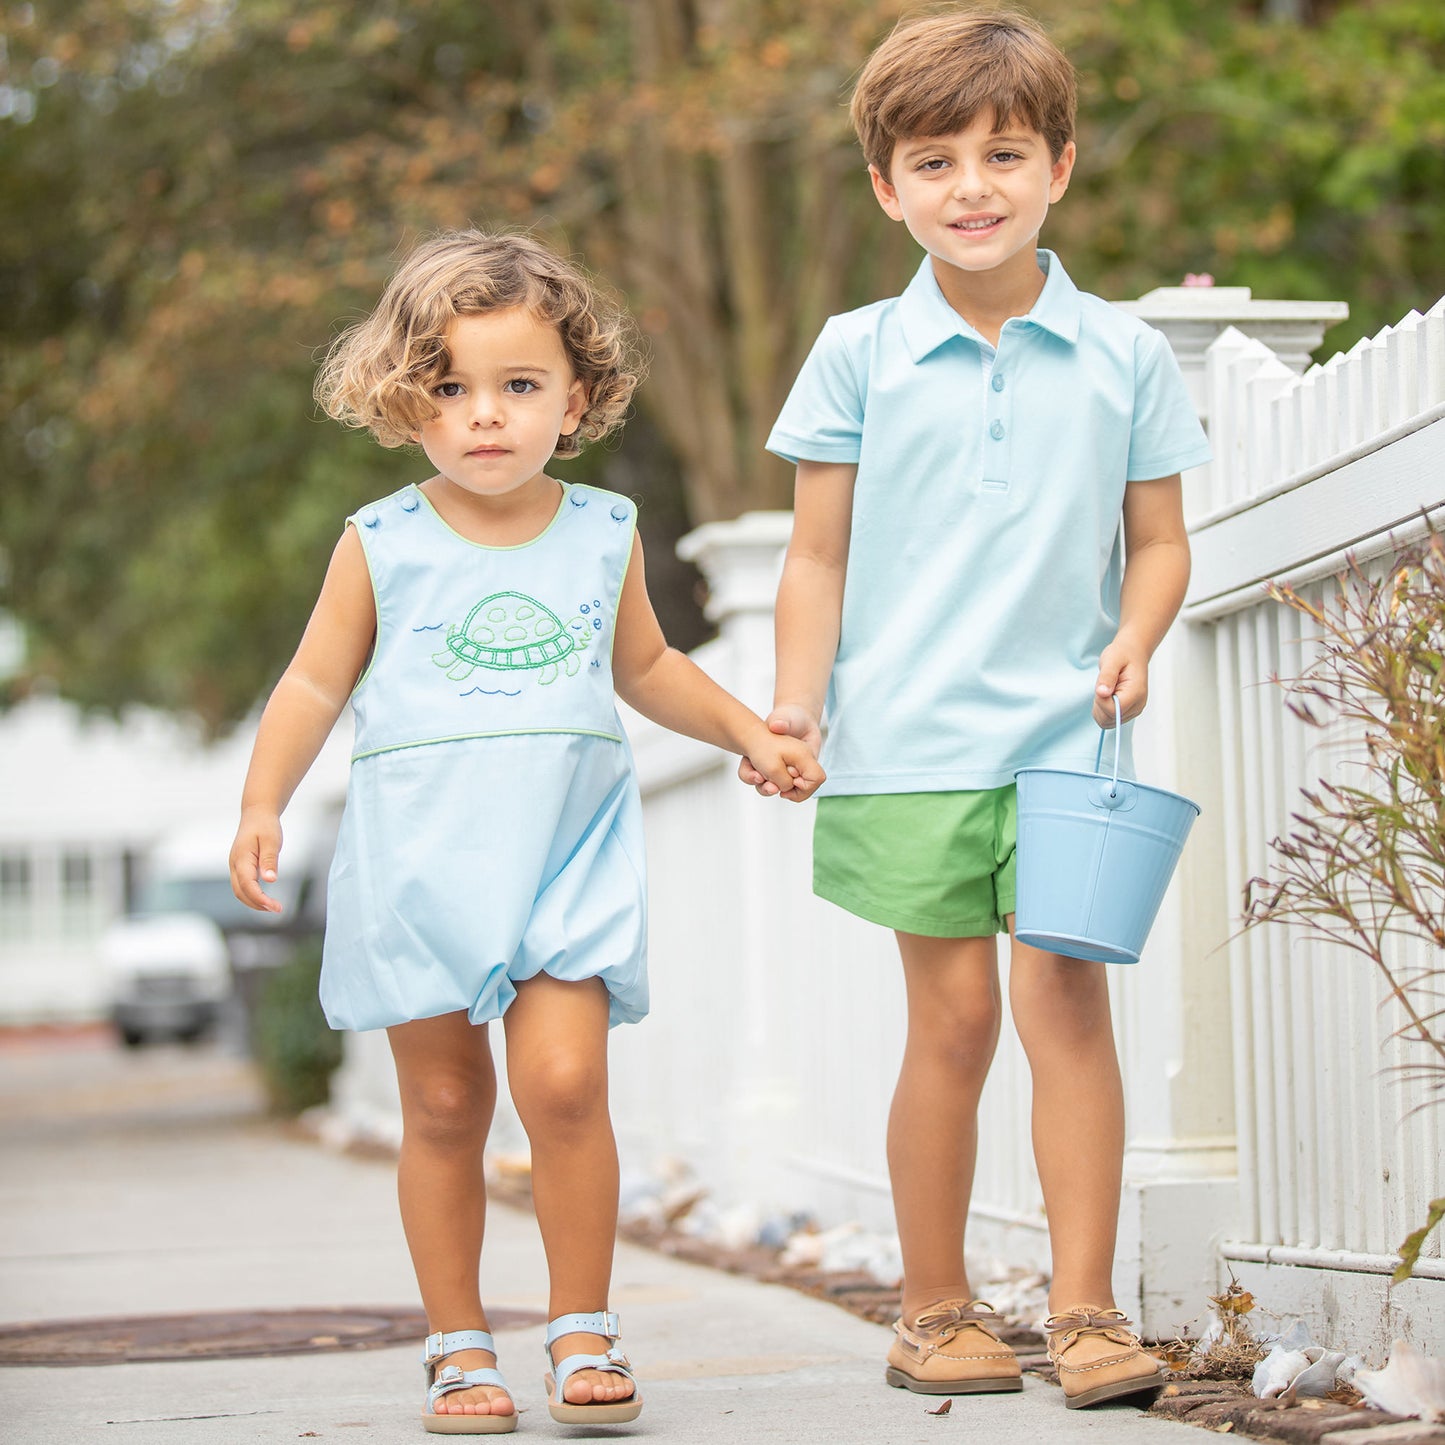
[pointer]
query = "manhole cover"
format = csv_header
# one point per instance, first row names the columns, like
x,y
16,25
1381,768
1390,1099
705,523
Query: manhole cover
x,y
223,1336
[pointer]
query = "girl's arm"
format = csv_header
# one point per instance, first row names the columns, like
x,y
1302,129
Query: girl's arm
x,y
1156,574
301,713
810,604
672,690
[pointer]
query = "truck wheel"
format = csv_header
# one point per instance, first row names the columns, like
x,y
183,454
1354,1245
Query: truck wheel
x,y
132,1038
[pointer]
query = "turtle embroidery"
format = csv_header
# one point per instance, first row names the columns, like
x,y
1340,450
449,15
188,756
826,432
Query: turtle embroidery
x,y
511,632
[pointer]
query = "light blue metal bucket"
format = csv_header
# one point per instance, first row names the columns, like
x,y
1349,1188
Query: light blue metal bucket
x,y
1095,855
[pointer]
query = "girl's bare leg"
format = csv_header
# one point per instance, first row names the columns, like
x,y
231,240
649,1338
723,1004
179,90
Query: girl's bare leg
x,y
1060,1007
448,1092
557,1072
953,1023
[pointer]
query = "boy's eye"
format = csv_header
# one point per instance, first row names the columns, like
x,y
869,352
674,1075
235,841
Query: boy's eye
x,y
520,386
1007,156
936,164
449,389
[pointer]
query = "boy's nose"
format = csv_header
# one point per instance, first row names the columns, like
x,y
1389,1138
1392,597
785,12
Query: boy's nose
x,y
971,185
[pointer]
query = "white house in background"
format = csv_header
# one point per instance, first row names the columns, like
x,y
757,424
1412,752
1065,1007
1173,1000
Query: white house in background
x,y
82,799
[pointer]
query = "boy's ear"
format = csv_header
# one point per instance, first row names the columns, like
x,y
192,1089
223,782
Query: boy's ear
x,y
1062,169
887,196
577,400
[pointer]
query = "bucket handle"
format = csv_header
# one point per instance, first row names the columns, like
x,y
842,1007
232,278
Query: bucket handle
x,y
1099,754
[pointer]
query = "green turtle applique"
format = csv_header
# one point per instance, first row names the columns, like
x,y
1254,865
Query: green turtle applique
x,y
511,632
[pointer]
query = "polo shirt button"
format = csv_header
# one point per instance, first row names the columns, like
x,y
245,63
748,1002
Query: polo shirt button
x,y
996,431
997,382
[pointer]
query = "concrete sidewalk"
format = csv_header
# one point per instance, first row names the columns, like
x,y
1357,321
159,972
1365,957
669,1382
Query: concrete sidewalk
x,y
147,1183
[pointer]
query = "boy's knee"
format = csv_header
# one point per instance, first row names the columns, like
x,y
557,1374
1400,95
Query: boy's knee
x,y
959,1033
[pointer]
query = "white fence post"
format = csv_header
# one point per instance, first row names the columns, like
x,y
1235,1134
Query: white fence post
x,y
1180,1191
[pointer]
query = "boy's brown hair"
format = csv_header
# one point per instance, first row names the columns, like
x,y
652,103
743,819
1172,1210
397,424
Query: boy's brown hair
x,y
936,74
380,372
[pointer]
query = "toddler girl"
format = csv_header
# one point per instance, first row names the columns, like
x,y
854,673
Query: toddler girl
x,y
490,860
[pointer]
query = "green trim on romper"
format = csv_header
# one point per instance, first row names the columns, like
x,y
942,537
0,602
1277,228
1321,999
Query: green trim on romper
x,y
375,607
617,602
487,546
499,733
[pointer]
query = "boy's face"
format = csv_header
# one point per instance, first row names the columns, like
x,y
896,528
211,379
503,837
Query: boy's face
x,y
508,395
975,200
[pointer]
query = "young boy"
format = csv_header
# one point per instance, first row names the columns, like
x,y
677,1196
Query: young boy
x,y
968,456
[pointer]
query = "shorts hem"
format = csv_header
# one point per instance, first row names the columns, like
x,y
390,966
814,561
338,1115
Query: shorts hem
x,y
927,927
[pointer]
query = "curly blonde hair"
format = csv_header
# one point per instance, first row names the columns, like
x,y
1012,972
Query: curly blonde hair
x,y
380,372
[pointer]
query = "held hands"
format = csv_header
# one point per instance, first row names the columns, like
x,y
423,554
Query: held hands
x,y
253,858
788,750
1123,671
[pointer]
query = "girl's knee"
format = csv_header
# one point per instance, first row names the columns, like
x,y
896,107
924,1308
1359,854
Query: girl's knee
x,y
446,1109
559,1091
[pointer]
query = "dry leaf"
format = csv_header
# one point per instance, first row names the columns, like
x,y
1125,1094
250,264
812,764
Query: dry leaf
x,y
943,1409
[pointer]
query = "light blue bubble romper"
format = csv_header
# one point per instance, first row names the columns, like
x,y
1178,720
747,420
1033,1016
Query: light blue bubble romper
x,y
493,828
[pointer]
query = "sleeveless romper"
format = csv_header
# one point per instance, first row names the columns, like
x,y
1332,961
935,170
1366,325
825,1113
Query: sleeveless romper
x,y
493,827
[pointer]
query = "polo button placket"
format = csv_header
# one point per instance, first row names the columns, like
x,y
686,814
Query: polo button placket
x,y
997,445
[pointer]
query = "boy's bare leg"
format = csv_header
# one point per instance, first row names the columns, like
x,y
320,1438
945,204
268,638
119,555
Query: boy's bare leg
x,y
1060,1008
557,1073
448,1091
953,1024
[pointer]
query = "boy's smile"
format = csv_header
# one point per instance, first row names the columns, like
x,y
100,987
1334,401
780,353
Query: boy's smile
x,y
507,396
976,200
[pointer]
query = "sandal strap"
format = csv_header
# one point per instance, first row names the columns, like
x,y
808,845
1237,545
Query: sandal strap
x,y
598,1322
448,1342
452,1377
614,1362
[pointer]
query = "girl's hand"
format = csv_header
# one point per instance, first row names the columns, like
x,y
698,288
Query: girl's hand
x,y
1123,672
253,858
788,721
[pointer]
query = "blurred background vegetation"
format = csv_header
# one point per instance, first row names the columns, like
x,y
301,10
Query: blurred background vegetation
x,y
195,194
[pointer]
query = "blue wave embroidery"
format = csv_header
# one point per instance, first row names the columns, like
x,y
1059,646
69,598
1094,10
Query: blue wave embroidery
x,y
491,692
433,628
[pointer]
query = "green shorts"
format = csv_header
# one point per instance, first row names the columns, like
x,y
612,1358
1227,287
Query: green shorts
x,y
939,864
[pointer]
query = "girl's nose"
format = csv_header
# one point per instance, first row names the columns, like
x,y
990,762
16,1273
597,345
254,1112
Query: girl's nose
x,y
485,410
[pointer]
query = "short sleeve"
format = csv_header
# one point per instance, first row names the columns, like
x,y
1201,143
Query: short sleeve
x,y
1166,436
822,419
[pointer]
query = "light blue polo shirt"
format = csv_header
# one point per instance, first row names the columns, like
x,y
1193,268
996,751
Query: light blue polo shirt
x,y
987,543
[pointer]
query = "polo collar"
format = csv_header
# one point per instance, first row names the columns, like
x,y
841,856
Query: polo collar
x,y
928,320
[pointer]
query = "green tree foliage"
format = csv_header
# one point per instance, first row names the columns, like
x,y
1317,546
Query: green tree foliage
x,y
193,195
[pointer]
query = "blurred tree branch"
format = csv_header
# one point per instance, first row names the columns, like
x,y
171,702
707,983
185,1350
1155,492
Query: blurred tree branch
x,y
193,195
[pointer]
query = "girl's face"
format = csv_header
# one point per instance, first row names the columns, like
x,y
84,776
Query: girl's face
x,y
507,397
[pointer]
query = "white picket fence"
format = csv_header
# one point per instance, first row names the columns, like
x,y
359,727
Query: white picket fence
x,y
1339,1149
1263,1137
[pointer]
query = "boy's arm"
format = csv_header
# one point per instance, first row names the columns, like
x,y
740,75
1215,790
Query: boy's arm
x,y
301,713
1156,573
670,688
810,604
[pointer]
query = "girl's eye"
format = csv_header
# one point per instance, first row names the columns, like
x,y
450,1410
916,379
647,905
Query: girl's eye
x,y
449,389
520,386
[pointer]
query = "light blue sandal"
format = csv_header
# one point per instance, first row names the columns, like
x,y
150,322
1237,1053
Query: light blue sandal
x,y
443,1381
616,1412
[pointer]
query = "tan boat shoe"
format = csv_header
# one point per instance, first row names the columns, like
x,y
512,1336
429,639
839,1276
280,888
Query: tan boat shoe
x,y
1099,1357
952,1349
